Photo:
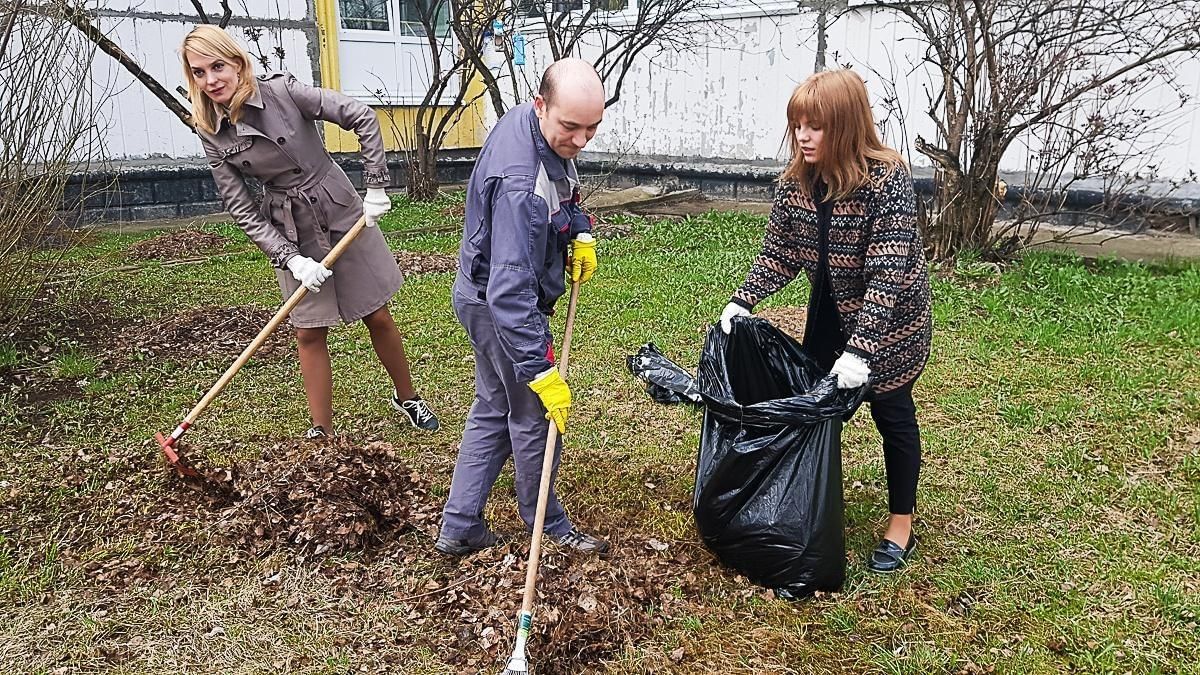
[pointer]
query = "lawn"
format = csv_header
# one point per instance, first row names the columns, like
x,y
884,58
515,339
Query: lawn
x,y
1059,506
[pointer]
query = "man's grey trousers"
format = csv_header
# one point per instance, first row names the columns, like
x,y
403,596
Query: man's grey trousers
x,y
506,418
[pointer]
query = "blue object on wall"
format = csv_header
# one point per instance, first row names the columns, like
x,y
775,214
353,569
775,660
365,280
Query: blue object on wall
x,y
518,50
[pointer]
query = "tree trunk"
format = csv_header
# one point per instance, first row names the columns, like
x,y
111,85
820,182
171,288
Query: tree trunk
x,y
422,170
963,212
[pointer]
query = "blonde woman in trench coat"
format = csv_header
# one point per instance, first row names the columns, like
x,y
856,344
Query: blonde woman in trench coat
x,y
264,127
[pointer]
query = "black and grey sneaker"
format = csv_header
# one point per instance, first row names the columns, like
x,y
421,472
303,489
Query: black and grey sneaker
x,y
465,546
582,542
316,433
419,414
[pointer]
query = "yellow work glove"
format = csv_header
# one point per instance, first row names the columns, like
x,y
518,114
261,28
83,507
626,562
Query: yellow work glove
x,y
555,395
583,258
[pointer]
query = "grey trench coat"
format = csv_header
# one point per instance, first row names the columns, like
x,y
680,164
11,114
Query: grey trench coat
x,y
308,202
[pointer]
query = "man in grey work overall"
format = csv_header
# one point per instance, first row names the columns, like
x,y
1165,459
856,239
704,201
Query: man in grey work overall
x,y
523,220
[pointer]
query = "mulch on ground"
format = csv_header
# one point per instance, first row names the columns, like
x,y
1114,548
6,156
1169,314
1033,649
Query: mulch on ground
x,y
177,245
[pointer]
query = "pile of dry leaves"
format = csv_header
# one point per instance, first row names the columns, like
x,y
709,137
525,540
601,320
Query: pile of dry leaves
x,y
321,498
177,245
317,499
338,497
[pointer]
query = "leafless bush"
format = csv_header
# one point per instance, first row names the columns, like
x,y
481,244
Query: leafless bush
x,y
49,133
454,32
1045,72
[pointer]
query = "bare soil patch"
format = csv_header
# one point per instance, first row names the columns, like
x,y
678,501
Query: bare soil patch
x,y
88,330
202,333
52,329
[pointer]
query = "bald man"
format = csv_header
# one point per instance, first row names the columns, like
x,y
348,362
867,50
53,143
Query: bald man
x,y
523,221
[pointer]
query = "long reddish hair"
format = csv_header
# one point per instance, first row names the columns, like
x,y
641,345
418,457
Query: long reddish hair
x,y
836,102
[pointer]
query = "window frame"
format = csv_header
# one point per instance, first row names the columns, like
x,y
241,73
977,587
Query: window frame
x,y
399,40
722,11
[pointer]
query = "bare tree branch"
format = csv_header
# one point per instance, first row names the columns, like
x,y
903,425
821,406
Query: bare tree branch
x,y
200,10
8,26
78,18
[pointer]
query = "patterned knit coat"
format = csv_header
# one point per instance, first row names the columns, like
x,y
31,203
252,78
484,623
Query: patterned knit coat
x,y
877,271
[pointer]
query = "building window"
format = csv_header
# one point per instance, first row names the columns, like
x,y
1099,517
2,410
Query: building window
x,y
535,8
365,15
414,14
383,49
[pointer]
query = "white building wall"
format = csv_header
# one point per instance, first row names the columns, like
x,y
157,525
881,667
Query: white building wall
x,y
137,125
727,99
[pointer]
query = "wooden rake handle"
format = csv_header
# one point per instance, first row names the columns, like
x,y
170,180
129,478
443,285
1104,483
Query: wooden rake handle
x,y
539,520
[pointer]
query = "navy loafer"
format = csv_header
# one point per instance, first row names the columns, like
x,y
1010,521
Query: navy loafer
x,y
889,557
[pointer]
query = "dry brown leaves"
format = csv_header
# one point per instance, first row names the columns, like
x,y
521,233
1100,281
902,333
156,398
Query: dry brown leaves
x,y
311,500
415,263
610,230
454,211
177,245
321,498
198,333
337,497
588,608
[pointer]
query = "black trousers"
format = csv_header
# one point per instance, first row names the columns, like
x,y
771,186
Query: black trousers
x,y
895,413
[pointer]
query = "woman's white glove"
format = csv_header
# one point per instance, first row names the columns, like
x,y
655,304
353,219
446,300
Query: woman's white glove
x,y
731,310
375,204
852,372
310,273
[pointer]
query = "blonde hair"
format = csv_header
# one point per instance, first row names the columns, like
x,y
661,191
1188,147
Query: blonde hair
x,y
215,43
836,102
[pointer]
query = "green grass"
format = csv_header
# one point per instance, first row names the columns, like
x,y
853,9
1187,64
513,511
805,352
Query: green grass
x,y
73,363
1059,499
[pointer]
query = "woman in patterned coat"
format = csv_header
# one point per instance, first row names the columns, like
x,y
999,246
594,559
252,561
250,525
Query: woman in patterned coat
x,y
845,215
264,128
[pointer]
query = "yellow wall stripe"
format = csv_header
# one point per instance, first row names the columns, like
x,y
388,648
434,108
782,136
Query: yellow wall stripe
x,y
397,122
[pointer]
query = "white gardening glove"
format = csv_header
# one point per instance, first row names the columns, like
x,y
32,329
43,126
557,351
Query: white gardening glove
x,y
310,273
852,372
375,204
731,310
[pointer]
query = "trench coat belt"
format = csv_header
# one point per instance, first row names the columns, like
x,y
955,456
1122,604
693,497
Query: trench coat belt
x,y
302,196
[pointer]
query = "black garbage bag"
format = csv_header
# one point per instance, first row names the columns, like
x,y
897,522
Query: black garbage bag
x,y
768,496
665,381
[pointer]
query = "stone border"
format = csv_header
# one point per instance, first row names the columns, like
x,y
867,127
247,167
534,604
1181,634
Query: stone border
x,y
143,190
